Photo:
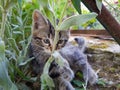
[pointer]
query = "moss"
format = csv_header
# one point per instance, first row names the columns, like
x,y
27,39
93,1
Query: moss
x,y
117,55
118,87
112,69
102,46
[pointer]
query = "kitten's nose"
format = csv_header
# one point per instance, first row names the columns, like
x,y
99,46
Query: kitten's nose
x,y
50,48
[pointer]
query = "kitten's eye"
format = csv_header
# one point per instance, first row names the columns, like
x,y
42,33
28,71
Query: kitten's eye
x,y
62,41
65,41
46,41
37,39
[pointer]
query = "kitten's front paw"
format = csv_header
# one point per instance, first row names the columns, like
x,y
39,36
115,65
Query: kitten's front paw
x,y
65,85
67,73
90,76
93,77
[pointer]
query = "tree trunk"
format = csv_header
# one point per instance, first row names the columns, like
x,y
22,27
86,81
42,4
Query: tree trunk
x,y
105,18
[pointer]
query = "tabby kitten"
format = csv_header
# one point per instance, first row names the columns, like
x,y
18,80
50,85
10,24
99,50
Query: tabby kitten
x,y
42,40
41,46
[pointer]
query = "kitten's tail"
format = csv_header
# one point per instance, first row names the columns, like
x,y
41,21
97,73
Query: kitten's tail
x,y
81,43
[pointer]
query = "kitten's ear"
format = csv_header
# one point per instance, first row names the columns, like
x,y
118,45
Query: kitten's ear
x,y
38,19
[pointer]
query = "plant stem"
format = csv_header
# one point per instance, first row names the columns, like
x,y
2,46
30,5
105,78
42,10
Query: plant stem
x,y
62,14
47,65
4,18
55,40
56,30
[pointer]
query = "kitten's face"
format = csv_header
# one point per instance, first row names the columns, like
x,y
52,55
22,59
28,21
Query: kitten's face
x,y
43,33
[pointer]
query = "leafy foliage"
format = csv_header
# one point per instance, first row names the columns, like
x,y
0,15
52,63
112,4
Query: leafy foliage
x,y
16,25
15,37
77,5
76,20
99,4
101,82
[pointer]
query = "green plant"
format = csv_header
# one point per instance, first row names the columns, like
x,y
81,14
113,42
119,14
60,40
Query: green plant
x,y
62,25
101,82
5,80
15,37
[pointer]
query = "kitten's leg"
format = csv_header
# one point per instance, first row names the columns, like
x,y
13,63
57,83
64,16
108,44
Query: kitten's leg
x,y
63,84
62,76
93,77
65,71
85,73
89,74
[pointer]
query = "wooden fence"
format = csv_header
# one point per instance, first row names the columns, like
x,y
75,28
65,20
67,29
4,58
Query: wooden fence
x,y
92,33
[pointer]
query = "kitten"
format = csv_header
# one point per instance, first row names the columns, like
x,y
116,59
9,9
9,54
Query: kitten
x,y
78,60
41,46
42,41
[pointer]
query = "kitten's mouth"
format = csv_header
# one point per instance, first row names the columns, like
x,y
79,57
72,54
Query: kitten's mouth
x,y
51,49
48,49
57,48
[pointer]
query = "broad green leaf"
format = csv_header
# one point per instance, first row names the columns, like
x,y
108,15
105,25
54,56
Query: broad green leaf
x,y
78,83
77,5
47,65
58,58
11,54
48,10
20,21
14,44
2,4
27,45
6,4
1,88
101,82
26,61
118,0
20,73
43,3
10,4
14,87
50,14
5,81
19,1
99,4
47,80
2,48
76,20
